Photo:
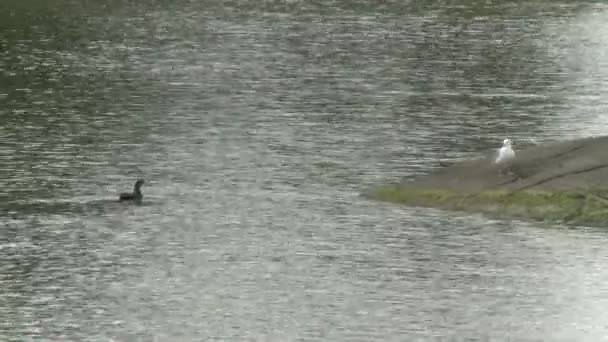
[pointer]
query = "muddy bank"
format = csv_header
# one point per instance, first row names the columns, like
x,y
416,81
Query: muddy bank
x,y
565,181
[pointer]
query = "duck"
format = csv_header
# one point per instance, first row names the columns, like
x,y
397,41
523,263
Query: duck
x,y
136,195
505,156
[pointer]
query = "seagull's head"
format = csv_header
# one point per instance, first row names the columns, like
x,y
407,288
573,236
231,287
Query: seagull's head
x,y
507,142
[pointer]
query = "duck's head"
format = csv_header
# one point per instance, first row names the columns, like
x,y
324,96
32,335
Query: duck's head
x,y
139,183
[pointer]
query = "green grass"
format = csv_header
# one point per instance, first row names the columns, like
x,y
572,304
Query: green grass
x,y
578,207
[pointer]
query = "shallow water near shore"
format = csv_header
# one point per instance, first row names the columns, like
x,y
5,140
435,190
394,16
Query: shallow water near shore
x,y
257,127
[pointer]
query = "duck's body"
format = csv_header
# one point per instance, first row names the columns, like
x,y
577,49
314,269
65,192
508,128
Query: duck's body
x,y
136,195
505,156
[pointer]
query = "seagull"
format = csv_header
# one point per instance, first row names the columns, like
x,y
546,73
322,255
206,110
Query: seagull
x,y
505,156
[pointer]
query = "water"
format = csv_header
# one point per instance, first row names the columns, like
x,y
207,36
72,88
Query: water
x,y
256,126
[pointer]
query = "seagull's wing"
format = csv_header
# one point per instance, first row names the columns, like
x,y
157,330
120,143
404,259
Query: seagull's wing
x,y
500,155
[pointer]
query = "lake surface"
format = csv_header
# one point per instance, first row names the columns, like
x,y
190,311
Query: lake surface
x,y
256,126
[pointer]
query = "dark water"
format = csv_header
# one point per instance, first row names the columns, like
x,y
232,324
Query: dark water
x,y
256,126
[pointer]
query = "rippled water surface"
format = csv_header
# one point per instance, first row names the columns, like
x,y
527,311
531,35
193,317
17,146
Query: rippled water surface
x,y
256,126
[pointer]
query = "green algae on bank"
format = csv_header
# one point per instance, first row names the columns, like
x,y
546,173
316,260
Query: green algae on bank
x,y
576,207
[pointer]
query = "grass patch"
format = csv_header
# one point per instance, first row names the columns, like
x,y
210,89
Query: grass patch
x,y
577,207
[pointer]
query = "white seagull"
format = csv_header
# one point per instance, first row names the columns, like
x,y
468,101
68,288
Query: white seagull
x,y
505,156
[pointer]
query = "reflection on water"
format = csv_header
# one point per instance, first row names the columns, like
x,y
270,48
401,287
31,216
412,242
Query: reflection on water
x,y
256,126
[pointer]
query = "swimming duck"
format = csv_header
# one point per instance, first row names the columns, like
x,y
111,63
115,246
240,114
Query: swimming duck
x,y
135,195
